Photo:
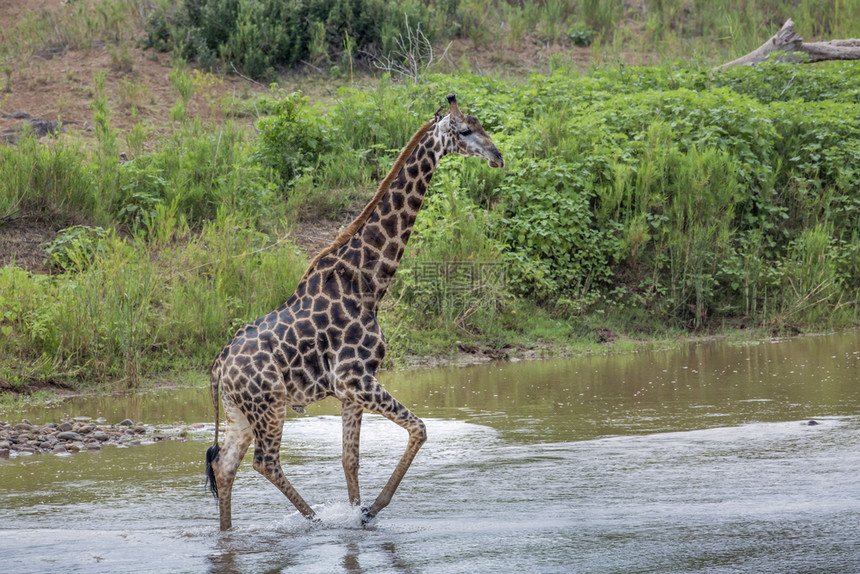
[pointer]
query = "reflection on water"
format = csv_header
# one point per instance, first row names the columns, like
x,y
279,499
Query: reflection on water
x,y
698,460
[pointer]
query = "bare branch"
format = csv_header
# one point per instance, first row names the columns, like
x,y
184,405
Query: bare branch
x,y
412,56
787,46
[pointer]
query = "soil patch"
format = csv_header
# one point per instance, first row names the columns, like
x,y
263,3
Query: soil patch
x,y
22,243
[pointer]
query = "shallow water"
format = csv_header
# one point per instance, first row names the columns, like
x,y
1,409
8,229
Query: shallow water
x,y
694,460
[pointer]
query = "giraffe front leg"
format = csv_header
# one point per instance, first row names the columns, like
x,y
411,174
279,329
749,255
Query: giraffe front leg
x,y
417,437
373,397
351,414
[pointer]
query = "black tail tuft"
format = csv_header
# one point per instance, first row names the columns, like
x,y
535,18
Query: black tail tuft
x,y
211,455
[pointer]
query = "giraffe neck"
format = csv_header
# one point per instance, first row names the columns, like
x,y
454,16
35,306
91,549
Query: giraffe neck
x,y
382,240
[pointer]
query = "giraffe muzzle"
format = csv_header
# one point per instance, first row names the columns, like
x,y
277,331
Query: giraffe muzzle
x,y
497,160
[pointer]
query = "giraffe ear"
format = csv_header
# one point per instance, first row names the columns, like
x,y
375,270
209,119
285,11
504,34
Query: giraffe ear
x,y
453,108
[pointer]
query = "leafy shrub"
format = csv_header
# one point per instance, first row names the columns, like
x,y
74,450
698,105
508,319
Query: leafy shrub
x,y
144,189
75,248
260,36
291,139
549,229
581,35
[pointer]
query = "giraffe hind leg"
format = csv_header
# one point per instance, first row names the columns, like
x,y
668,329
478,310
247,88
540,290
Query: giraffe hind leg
x,y
267,461
223,461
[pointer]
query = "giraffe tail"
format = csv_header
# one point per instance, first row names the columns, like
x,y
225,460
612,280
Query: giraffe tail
x,y
212,452
211,455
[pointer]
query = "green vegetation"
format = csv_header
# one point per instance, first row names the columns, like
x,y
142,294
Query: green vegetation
x,y
261,37
649,200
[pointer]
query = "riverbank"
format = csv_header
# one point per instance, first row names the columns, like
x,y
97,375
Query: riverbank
x,y
82,434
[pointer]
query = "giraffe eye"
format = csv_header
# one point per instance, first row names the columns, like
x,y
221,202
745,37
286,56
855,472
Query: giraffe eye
x,y
466,132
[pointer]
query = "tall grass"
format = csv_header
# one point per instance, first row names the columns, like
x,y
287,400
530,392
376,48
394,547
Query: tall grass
x,y
74,26
130,314
47,181
195,248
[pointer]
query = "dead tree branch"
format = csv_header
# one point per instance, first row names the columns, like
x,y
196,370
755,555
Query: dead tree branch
x,y
787,46
412,57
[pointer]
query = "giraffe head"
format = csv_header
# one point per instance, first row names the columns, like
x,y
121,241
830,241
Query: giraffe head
x,y
466,136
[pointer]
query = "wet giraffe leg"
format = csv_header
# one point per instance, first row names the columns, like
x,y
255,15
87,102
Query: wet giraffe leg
x,y
267,461
351,415
373,397
237,438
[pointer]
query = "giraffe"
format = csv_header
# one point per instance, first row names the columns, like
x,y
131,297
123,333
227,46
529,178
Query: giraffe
x,y
325,340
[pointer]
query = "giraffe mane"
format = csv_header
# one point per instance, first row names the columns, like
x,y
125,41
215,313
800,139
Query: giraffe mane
x,y
384,185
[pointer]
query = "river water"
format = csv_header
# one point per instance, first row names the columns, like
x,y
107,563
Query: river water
x,y
692,460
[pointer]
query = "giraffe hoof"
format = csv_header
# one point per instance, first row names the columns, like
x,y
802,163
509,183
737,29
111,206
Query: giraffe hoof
x,y
366,516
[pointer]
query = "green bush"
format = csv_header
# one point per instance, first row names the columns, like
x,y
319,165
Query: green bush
x,y
550,231
291,138
259,37
75,248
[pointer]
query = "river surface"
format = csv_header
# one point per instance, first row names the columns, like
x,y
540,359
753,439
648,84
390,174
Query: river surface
x,y
692,460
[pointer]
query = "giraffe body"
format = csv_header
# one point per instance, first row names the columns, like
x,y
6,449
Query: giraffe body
x,y
325,340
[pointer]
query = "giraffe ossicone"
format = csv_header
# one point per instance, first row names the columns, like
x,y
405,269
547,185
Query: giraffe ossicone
x,y
325,340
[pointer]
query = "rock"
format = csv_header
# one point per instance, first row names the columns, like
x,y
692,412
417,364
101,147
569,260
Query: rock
x,y
67,437
101,420
197,426
813,423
